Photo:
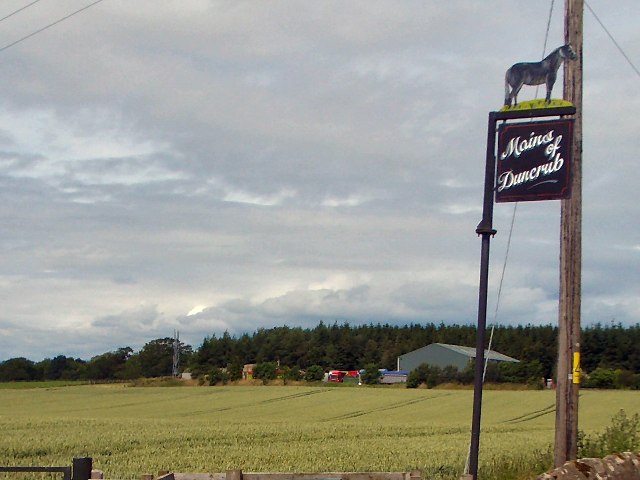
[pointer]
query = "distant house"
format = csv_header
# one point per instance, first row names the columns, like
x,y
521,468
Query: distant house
x,y
247,371
444,355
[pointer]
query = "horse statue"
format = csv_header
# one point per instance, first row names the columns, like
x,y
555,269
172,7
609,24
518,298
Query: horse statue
x,y
535,73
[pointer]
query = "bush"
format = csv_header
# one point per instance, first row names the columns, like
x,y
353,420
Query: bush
x,y
266,371
468,375
627,379
315,373
291,374
623,435
429,375
610,378
432,375
17,370
450,374
531,373
600,378
234,370
371,374
526,464
217,376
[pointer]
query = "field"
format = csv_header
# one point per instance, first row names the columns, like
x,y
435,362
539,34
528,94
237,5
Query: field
x,y
129,431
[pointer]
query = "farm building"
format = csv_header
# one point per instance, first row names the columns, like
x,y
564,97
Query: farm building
x,y
388,377
444,355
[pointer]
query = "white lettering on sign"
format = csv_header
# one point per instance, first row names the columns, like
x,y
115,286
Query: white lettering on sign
x,y
518,145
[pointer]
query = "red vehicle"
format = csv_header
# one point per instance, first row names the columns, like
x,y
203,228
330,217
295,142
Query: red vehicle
x,y
338,376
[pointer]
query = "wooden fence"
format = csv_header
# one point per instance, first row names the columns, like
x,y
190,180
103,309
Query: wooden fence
x,y
240,475
82,470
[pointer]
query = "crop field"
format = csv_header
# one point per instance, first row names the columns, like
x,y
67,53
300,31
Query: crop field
x,y
130,431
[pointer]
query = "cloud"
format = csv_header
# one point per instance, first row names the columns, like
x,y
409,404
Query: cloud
x,y
215,166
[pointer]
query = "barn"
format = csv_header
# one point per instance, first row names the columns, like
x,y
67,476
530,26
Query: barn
x,y
444,355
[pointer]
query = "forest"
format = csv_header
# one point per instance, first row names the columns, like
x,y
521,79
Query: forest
x,y
610,353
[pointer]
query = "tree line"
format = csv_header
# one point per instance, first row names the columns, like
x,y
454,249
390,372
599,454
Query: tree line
x,y
610,353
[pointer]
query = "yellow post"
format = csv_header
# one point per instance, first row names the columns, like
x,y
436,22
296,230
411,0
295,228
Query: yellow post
x,y
576,368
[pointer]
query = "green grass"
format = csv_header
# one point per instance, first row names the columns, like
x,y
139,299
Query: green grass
x,y
130,431
42,384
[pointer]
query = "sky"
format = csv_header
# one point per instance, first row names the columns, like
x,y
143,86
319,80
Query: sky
x,y
206,166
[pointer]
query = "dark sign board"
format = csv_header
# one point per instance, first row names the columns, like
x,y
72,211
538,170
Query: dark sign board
x,y
534,161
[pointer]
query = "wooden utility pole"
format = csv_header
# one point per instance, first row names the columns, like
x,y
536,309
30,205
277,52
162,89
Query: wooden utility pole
x,y
568,374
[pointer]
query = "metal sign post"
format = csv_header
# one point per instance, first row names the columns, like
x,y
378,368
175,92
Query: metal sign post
x,y
486,231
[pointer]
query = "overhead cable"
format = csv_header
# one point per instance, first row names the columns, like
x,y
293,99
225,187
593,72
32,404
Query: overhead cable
x,y
18,11
613,40
49,26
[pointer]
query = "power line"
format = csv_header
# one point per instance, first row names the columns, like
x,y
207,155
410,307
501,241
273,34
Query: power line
x,y
613,39
513,219
513,216
546,35
49,26
546,38
18,11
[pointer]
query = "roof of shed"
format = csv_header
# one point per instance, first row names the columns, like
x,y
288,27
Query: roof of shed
x,y
471,352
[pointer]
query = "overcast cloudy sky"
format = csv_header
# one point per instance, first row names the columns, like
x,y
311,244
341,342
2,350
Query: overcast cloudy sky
x,y
230,165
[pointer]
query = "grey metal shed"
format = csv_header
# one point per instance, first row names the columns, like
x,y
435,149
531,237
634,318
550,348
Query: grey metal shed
x,y
443,355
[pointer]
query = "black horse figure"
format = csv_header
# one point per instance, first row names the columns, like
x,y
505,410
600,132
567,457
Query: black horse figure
x,y
535,73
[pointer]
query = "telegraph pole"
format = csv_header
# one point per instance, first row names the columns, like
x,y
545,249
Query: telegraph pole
x,y
568,368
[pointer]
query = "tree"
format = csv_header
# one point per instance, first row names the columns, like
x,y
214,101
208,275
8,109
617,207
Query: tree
x,y
371,353
156,358
214,352
17,370
108,365
130,370
430,375
291,374
62,368
315,373
234,370
371,374
56,368
601,378
627,379
217,376
349,347
266,371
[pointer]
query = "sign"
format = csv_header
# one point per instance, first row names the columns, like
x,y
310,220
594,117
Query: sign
x,y
576,367
534,161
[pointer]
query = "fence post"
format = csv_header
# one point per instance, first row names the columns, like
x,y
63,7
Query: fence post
x,y
82,468
234,475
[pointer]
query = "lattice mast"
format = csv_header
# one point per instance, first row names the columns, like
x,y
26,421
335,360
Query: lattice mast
x,y
176,353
